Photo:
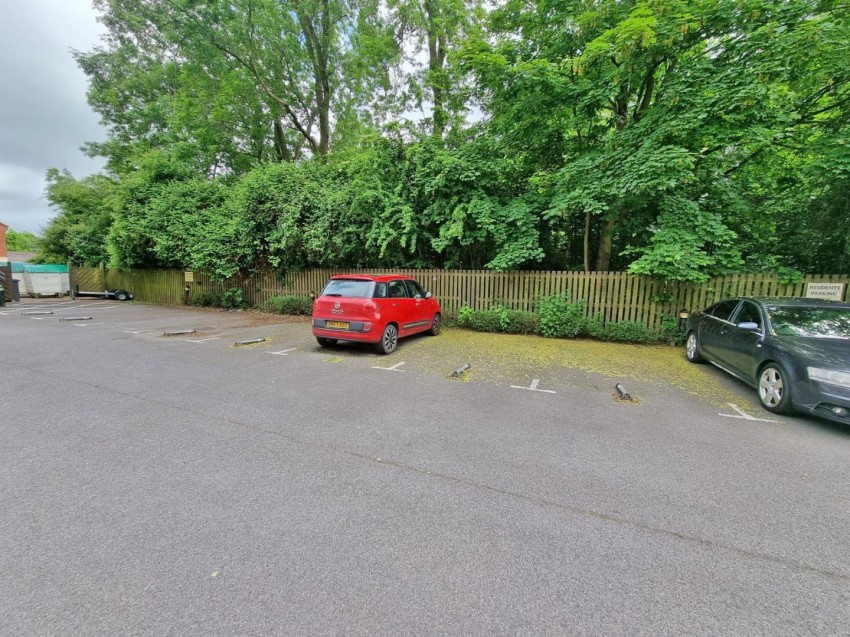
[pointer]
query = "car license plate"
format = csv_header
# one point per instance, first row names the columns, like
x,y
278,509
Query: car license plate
x,y
340,325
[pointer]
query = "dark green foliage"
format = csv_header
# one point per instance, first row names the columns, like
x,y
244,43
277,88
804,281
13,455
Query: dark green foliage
x,y
625,332
677,138
498,319
558,317
293,305
230,299
233,298
207,299
562,318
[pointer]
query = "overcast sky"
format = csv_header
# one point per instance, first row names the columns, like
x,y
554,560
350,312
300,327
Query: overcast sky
x,y
44,117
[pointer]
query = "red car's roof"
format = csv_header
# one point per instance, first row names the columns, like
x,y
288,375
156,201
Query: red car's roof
x,y
372,277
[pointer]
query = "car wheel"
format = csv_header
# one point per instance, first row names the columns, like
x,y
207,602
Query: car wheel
x,y
774,389
121,295
389,340
326,342
436,324
692,349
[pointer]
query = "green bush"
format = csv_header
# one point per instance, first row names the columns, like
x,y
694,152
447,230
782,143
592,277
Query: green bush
x,y
562,318
498,319
233,299
206,299
230,299
670,332
558,317
295,305
625,332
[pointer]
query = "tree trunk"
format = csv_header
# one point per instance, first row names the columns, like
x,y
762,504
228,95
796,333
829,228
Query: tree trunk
x,y
436,62
606,236
281,149
587,241
317,42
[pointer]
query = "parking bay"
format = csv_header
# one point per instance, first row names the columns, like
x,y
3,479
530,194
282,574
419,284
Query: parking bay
x,y
557,507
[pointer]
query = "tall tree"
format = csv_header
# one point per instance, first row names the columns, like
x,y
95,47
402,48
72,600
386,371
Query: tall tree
x,y
432,30
302,62
84,216
656,99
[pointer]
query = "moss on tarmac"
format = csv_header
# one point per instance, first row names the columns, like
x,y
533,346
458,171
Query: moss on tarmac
x,y
504,357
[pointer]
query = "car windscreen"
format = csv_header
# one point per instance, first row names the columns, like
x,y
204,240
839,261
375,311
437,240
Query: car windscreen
x,y
351,288
817,322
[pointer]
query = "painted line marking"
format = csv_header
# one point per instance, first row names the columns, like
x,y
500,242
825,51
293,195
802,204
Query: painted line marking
x,y
136,331
202,340
85,324
534,384
283,352
742,415
394,368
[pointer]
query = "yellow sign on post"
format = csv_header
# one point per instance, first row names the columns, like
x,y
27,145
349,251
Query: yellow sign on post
x,y
189,277
831,291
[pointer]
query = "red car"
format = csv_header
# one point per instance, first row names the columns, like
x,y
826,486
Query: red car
x,y
377,309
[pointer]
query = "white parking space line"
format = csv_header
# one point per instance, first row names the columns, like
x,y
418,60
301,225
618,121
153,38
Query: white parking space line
x,y
394,368
283,352
533,387
46,306
202,340
136,331
86,324
743,415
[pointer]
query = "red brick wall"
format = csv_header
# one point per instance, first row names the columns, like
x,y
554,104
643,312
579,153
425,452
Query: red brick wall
x,y
3,253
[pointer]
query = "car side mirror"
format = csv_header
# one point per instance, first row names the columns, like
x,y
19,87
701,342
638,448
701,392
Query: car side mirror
x,y
428,295
748,326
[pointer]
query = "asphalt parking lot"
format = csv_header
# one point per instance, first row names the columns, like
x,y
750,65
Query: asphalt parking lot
x,y
186,485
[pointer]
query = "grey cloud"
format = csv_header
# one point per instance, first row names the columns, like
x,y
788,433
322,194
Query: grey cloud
x,y
44,117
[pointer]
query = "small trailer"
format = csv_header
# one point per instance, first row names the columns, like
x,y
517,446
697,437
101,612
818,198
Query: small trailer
x,y
118,295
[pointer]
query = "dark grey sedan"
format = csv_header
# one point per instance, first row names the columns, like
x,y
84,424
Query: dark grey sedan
x,y
795,352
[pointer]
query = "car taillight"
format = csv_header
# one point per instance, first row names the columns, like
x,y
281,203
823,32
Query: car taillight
x,y
369,307
367,327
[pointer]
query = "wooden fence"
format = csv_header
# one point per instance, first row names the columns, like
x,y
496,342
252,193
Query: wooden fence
x,y
616,296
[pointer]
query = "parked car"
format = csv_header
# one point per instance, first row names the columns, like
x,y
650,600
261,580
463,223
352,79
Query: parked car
x,y
377,309
795,352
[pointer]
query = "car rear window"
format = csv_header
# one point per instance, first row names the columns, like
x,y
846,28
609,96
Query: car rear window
x,y
351,288
817,322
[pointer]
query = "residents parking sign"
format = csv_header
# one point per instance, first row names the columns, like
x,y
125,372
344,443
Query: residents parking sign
x,y
831,291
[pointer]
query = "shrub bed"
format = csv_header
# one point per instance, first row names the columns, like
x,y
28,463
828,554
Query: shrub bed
x,y
229,299
559,317
498,319
295,305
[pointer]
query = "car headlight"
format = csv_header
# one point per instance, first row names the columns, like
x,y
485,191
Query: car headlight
x,y
830,376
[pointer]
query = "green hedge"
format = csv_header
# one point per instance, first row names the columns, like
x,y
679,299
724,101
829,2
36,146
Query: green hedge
x,y
559,317
296,305
498,319
229,299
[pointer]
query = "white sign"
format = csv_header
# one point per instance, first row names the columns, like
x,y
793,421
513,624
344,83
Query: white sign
x,y
833,291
